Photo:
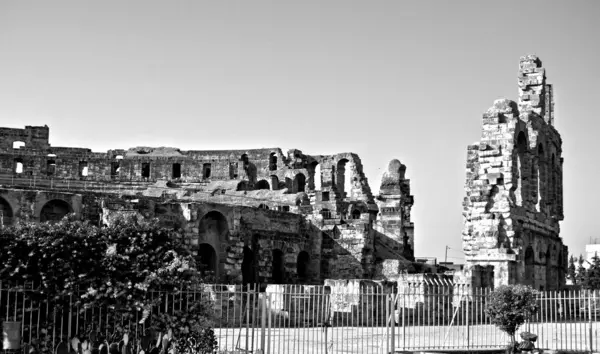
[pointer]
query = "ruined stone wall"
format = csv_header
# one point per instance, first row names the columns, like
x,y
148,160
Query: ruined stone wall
x,y
272,216
514,188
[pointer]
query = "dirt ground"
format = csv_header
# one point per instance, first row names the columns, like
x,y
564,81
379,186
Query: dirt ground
x,y
377,340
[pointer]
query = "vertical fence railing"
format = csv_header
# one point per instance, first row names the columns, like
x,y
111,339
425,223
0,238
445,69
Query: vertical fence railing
x,y
367,318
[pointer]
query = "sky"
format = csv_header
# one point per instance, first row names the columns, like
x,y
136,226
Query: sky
x,y
384,79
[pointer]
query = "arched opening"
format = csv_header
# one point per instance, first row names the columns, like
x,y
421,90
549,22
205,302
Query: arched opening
x,y
263,206
540,168
145,169
242,186
273,162
206,170
6,214
244,159
262,184
54,210
529,274
83,169
18,165
560,268
176,170
314,176
299,183
278,270
18,144
521,192
274,182
289,184
213,228
343,180
206,260
553,178
302,264
51,167
248,267
355,214
549,271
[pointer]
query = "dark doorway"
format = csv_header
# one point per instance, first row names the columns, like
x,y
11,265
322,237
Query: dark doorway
x,y
302,266
248,267
207,260
277,267
176,170
146,170
54,210
529,267
6,214
262,184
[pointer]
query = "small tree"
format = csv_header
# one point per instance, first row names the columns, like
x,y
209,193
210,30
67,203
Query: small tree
x,y
572,270
592,276
509,306
581,271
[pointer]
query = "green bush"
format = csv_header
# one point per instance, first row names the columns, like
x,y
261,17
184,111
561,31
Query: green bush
x,y
509,306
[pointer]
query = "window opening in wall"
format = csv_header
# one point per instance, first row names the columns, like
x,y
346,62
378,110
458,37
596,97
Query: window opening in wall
x,y
272,162
176,173
326,213
263,206
343,179
51,167
316,171
274,182
299,183
206,171
285,208
145,169
83,168
325,196
54,210
6,214
18,165
355,214
242,186
302,265
233,167
277,267
18,144
262,184
115,167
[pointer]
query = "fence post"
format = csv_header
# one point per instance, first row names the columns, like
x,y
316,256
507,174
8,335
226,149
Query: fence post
x,y
468,324
393,324
590,302
387,316
263,320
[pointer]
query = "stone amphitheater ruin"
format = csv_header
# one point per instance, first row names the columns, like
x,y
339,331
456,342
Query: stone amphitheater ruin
x,y
267,216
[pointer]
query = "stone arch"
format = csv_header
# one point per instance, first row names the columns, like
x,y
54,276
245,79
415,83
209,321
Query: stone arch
x,y
213,228
521,190
343,180
540,168
273,162
54,210
302,265
549,270
6,213
262,184
274,182
242,186
314,176
529,261
277,266
299,183
248,266
206,260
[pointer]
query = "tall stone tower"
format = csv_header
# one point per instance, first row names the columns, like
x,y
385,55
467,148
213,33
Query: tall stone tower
x,y
513,201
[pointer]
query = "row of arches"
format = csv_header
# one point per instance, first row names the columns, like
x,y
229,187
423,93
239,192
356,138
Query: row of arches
x,y
553,272
538,175
278,269
52,211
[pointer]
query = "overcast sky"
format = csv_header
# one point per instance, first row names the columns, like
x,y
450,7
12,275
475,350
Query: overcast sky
x,y
384,79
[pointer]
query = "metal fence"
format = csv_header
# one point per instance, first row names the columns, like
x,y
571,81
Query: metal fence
x,y
356,318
